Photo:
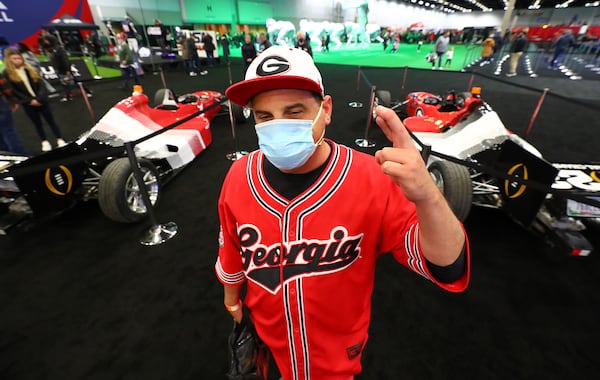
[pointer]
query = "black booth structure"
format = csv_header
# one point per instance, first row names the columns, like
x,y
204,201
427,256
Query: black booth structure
x,y
67,30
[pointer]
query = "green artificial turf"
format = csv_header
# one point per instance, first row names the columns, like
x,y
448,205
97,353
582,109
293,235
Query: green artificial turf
x,y
355,55
373,55
104,72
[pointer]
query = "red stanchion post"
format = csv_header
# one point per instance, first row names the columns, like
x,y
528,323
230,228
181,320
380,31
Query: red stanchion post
x,y
87,102
535,112
404,77
471,79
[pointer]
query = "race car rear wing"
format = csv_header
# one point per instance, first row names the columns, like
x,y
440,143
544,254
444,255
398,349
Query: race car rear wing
x,y
528,179
50,188
521,199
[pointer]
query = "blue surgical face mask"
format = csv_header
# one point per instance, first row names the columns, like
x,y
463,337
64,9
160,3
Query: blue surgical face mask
x,y
287,143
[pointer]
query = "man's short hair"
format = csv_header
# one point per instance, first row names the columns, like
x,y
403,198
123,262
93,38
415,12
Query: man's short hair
x,y
278,67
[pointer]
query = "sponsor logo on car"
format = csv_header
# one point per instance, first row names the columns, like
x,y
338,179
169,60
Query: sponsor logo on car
x,y
513,189
58,180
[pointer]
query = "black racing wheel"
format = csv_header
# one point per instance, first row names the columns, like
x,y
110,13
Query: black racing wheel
x,y
119,194
454,181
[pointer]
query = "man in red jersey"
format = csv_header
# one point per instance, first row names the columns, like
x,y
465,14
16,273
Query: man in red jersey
x,y
303,220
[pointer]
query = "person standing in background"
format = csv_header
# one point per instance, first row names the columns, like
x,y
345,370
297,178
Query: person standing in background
x,y
161,39
9,140
46,41
131,33
516,51
29,90
61,63
105,42
248,53
62,66
487,51
225,46
209,48
264,43
126,64
302,43
194,64
441,47
497,45
449,56
561,46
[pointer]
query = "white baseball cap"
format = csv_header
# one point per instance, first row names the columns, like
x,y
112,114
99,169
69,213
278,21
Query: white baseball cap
x,y
278,67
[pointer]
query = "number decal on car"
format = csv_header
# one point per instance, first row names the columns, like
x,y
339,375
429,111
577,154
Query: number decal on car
x,y
575,178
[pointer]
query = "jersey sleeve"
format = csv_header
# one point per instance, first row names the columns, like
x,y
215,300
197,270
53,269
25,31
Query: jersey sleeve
x,y
417,263
401,237
229,266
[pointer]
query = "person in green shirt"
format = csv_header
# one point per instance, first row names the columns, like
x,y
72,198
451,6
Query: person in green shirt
x,y
126,64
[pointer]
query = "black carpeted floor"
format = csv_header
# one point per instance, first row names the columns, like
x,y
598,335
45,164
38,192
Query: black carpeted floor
x,y
80,298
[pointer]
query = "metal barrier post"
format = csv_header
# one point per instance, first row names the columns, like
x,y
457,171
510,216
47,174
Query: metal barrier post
x,y
237,153
365,142
356,104
158,233
162,77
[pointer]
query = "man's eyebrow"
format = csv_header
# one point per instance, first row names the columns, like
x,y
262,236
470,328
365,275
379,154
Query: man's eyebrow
x,y
261,113
295,105
287,108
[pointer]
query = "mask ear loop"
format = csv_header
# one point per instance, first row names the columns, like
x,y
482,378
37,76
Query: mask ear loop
x,y
320,141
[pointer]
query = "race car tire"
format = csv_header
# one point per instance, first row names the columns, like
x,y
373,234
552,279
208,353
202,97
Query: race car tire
x,y
454,182
240,114
119,196
385,98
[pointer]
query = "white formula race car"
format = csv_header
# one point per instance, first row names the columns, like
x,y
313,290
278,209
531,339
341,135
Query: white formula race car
x,y
476,161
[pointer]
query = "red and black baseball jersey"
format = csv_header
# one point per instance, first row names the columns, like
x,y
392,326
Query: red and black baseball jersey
x,y
309,262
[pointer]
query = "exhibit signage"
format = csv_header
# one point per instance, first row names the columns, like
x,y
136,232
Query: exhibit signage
x,y
78,68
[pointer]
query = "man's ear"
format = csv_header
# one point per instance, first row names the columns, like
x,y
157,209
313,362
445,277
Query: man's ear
x,y
327,108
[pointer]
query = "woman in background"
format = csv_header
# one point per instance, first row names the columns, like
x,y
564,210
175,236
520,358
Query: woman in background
x,y
29,90
9,140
